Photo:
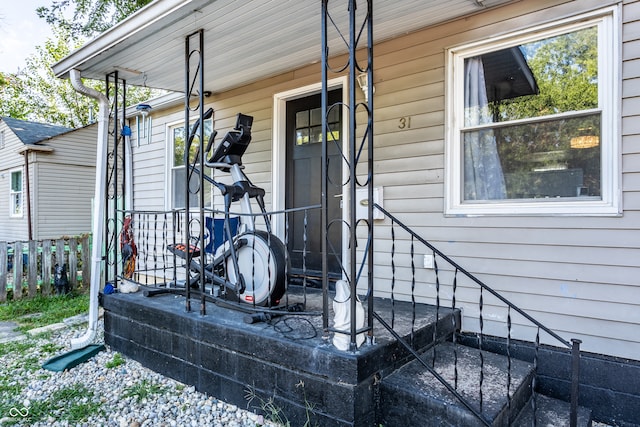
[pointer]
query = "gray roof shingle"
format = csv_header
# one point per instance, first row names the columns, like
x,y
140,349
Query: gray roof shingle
x,y
32,132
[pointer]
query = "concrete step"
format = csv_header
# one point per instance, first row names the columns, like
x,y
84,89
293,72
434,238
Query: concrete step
x,y
8,332
412,396
551,413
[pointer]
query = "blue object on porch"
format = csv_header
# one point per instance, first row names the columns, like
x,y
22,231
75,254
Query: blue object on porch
x,y
215,228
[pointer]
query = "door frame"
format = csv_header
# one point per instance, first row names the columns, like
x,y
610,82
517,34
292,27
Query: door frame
x,y
279,153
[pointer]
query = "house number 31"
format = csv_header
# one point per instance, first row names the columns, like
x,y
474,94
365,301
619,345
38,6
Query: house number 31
x,y
404,122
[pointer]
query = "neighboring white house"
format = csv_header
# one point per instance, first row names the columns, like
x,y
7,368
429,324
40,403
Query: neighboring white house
x,y
547,212
47,175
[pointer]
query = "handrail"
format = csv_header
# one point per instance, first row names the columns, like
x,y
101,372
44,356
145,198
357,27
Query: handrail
x,y
433,372
574,346
475,279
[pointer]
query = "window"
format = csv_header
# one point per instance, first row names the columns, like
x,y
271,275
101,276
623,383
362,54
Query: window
x,y
533,122
178,171
15,194
309,126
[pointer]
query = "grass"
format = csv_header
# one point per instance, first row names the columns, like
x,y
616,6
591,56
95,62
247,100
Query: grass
x,y
142,390
116,361
274,413
43,310
75,403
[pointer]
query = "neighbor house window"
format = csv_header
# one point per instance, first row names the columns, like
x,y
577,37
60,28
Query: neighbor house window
x,y
178,171
16,199
533,122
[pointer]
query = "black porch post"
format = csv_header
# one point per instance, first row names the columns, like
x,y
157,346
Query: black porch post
x,y
194,86
116,91
359,25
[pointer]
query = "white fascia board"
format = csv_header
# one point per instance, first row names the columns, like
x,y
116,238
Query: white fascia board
x,y
134,24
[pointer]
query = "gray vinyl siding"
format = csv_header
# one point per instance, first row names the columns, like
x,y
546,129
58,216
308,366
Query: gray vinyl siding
x,y
11,228
61,185
65,183
64,200
577,275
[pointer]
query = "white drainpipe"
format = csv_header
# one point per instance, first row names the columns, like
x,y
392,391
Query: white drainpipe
x,y
98,206
128,173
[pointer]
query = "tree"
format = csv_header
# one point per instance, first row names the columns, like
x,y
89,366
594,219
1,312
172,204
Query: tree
x,y
89,17
35,93
12,104
566,72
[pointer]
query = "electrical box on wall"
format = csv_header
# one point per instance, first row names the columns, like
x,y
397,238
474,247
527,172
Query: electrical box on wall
x,y
362,203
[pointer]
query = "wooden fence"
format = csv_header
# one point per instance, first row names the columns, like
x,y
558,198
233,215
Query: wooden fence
x,y
33,272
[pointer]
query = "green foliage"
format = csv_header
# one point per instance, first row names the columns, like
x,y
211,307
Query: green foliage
x,y
14,347
75,403
142,390
35,93
89,17
274,413
51,309
116,361
566,71
565,68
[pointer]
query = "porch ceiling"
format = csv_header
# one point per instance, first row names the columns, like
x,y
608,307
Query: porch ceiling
x,y
244,40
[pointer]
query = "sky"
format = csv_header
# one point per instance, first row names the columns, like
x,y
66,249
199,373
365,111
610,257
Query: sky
x,y
20,32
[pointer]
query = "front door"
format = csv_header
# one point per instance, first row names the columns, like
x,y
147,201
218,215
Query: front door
x,y
304,180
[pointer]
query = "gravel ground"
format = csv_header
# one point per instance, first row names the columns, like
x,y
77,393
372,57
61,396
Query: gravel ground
x,y
92,394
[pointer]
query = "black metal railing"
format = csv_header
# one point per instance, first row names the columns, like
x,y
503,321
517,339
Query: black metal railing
x,y
456,273
154,233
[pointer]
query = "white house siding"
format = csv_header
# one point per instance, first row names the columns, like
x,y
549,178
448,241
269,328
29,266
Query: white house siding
x,y
11,229
577,275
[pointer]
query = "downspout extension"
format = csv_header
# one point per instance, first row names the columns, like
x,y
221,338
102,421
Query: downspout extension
x,y
98,206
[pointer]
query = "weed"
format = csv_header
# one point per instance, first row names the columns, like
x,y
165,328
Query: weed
x,y
50,348
15,347
115,361
9,388
73,404
143,390
268,406
274,413
30,363
71,392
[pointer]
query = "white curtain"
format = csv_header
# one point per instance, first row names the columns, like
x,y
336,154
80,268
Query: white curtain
x,y
483,177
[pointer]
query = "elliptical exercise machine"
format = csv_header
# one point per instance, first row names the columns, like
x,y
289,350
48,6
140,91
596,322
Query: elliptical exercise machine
x,y
249,266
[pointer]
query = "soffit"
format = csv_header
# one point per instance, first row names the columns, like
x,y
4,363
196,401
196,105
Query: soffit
x,y
244,41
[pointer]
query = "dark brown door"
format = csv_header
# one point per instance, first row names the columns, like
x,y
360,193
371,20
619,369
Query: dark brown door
x,y
304,180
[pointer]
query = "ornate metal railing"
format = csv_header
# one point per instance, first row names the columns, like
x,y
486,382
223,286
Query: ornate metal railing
x,y
444,267
153,233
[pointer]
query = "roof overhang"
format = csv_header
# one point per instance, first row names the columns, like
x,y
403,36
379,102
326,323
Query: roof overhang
x,y
244,41
26,148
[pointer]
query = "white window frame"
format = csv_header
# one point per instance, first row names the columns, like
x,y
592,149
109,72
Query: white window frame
x,y
12,206
608,25
168,196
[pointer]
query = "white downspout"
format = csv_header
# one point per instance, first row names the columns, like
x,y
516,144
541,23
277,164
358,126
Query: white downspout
x,y
128,172
98,206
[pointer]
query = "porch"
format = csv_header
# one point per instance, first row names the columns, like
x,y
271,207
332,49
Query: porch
x,y
417,366
286,364
398,249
